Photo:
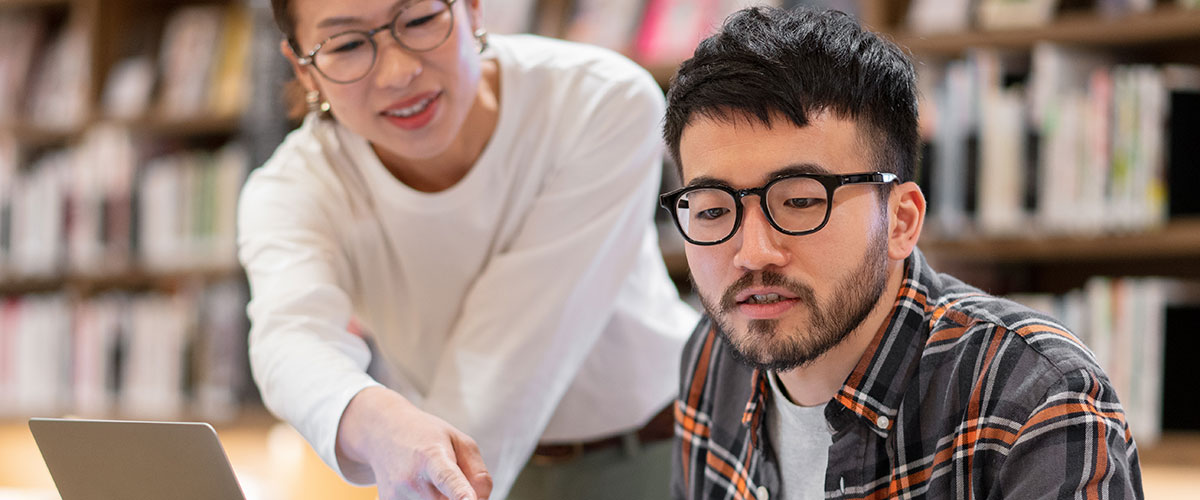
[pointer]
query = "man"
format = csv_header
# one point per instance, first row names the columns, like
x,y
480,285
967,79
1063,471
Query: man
x,y
833,362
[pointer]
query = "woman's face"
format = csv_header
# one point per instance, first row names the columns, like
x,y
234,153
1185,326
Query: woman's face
x,y
413,104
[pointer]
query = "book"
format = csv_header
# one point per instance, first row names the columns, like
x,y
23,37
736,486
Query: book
x,y
59,97
939,16
671,29
607,23
186,60
99,236
1010,14
128,89
230,85
1001,164
22,34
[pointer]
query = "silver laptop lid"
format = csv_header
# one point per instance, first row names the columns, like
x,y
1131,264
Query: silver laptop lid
x,y
112,459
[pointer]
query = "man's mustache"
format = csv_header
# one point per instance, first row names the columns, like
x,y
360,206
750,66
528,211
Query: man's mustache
x,y
766,278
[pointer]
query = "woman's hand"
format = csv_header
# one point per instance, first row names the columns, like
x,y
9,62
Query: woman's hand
x,y
412,453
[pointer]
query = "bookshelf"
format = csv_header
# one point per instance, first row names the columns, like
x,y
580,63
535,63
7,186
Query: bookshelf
x,y
1166,33
1082,274
1163,25
120,293
1177,239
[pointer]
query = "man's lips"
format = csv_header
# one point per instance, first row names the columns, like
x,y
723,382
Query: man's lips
x,y
764,302
759,295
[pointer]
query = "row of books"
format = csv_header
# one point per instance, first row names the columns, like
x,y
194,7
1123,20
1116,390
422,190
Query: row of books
x,y
943,16
1061,140
653,32
66,213
201,68
1127,323
128,355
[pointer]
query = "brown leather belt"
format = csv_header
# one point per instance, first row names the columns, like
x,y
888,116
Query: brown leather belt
x,y
659,428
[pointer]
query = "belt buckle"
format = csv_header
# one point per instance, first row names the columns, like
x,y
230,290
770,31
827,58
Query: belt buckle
x,y
573,452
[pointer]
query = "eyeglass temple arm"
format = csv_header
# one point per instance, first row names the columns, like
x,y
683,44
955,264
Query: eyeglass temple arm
x,y
873,177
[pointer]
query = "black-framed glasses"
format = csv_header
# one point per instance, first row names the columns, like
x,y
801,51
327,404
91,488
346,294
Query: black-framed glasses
x,y
795,204
347,57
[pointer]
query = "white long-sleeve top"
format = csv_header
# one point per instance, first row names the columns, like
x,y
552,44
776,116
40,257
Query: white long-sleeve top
x,y
527,302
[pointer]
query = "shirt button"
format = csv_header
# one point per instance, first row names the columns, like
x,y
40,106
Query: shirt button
x,y
762,493
881,422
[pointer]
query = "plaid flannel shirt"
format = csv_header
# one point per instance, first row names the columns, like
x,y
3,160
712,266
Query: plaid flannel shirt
x,y
959,395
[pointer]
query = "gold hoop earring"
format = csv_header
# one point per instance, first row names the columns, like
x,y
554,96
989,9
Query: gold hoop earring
x,y
315,103
481,37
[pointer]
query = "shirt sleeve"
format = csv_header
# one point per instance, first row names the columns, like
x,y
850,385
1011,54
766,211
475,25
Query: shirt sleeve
x,y
533,314
1076,444
305,362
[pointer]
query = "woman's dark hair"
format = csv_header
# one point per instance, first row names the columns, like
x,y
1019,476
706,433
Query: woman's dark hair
x,y
768,60
286,23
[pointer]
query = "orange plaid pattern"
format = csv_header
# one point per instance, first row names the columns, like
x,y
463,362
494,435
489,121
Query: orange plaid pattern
x,y
960,395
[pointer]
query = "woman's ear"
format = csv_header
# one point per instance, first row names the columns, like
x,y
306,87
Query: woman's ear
x,y
475,13
907,206
302,74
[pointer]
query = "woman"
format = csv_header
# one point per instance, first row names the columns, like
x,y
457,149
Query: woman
x,y
483,208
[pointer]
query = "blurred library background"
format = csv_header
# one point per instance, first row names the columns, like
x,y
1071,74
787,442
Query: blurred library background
x,y
1061,165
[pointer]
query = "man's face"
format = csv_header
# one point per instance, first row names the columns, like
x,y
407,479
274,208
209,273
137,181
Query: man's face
x,y
826,282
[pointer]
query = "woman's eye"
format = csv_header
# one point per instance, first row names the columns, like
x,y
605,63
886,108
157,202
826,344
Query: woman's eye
x,y
420,21
343,48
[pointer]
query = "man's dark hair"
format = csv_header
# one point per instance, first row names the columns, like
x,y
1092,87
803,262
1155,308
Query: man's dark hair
x,y
768,60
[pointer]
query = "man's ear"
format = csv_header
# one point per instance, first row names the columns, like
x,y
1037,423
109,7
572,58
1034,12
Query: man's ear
x,y
302,74
907,206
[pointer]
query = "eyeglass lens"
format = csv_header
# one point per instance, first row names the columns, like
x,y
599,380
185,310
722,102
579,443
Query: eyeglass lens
x,y
421,26
795,204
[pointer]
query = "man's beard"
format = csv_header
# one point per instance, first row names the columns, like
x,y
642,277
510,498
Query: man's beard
x,y
765,347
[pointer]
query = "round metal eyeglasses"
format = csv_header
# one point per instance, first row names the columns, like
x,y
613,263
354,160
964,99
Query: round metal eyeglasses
x,y
794,204
349,56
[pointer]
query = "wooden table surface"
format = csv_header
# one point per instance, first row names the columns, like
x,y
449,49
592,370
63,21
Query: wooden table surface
x,y
273,462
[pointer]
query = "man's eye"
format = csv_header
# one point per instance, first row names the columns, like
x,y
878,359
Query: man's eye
x,y
802,202
712,213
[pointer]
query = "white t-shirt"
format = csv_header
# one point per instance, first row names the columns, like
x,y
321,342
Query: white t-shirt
x,y
800,436
527,302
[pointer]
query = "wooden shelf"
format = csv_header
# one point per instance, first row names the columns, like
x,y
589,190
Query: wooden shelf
x,y
35,136
662,73
129,279
204,125
4,4
1166,24
1178,239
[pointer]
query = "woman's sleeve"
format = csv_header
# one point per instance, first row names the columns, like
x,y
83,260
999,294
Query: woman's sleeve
x,y
305,362
532,316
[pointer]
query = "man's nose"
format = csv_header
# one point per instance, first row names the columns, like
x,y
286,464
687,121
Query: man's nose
x,y
760,242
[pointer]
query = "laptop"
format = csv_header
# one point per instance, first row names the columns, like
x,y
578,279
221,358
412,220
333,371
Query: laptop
x,y
131,460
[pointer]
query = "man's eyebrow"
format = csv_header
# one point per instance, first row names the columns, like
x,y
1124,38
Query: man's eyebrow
x,y
799,168
706,181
